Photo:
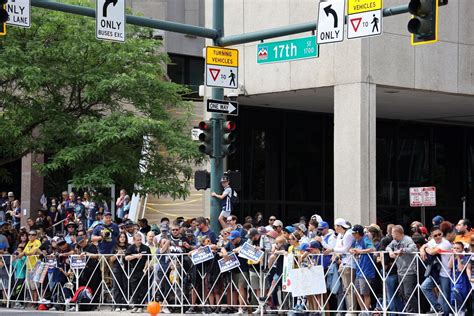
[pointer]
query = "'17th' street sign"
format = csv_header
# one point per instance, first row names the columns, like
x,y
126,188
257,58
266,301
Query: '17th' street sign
x,y
294,49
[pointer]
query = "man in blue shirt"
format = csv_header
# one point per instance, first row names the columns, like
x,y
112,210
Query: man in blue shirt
x,y
106,234
365,267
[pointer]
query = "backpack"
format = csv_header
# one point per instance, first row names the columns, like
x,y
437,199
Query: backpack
x,y
234,199
83,295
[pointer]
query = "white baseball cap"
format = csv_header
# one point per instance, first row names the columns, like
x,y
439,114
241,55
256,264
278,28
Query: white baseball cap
x,y
278,223
341,222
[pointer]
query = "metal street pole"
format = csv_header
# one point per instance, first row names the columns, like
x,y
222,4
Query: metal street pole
x,y
217,161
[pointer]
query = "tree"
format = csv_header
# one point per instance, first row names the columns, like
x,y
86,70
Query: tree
x,y
88,105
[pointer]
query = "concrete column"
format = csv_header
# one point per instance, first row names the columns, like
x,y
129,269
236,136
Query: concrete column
x,y
32,186
354,152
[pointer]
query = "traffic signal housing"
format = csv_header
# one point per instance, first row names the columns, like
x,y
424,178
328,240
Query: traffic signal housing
x,y
3,17
202,180
205,137
424,24
228,138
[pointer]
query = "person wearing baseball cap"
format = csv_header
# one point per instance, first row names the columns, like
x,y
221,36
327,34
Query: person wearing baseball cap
x,y
241,274
301,228
365,272
226,198
106,234
344,242
287,231
437,220
278,226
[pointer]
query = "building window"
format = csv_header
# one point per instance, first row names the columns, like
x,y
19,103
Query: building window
x,y
187,70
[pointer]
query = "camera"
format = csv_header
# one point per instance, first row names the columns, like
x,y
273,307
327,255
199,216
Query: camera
x,y
106,234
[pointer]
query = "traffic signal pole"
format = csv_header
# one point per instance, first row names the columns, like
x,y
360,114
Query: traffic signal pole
x,y
217,161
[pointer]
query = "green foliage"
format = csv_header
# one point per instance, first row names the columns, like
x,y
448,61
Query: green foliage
x,y
88,104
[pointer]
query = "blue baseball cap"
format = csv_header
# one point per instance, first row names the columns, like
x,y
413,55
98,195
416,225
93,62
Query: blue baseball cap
x,y
323,225
3,246
289,229
315,245
234,234
304,247
437,220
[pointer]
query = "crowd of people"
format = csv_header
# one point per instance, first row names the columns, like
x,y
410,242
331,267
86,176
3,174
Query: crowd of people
x,y
360,262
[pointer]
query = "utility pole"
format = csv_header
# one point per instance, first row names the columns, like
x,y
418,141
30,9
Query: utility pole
x,y
217,161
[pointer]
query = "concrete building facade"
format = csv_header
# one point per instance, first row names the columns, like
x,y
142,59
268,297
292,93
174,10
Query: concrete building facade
x,y
359,82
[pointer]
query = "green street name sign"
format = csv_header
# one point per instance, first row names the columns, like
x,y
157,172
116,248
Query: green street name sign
x,y
294,49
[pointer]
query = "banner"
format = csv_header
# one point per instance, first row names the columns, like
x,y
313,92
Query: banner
x,y
52,262
39,272
229,262
77,262
202,254
286,281
250,252
303,281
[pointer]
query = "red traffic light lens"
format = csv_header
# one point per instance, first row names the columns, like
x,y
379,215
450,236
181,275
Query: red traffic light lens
x,y
229,126
204,125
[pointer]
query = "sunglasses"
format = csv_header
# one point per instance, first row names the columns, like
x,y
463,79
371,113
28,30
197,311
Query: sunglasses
x,y
272,219
437,235
31,234
175,230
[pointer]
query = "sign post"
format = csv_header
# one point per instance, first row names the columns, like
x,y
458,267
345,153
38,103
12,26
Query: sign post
x,y
294,49
422,197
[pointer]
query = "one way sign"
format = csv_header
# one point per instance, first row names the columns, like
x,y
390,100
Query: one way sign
x,y
223,107
331,21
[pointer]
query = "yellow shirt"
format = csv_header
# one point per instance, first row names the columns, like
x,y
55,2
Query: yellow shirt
x,y
30,249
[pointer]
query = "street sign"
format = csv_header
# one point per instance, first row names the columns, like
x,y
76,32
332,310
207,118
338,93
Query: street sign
x,y
359,6
195,133
364,24
422,196
222,67
294,49
19,12
110,20
331,21
223,107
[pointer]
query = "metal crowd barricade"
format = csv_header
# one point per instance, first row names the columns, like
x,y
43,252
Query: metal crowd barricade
x,y
178,284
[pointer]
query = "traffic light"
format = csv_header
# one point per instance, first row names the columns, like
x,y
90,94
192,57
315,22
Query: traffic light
x,y
228,137
424,23
202,180
3,17
205,137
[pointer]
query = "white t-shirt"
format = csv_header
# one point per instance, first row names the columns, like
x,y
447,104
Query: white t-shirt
x,y
443,245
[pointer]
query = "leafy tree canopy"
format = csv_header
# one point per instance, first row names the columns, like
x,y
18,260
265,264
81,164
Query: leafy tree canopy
x,y
88,105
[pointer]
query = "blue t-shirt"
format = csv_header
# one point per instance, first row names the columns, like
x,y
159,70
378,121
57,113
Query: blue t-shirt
x,y
366,264
200,236
109,237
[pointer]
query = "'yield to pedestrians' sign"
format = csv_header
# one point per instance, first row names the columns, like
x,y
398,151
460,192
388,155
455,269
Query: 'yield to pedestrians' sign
x,y
19,13
331,21
364,19
222,67
110,20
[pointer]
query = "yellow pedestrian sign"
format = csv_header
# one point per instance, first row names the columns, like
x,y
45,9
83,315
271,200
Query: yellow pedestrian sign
x,y
222,67
359,6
